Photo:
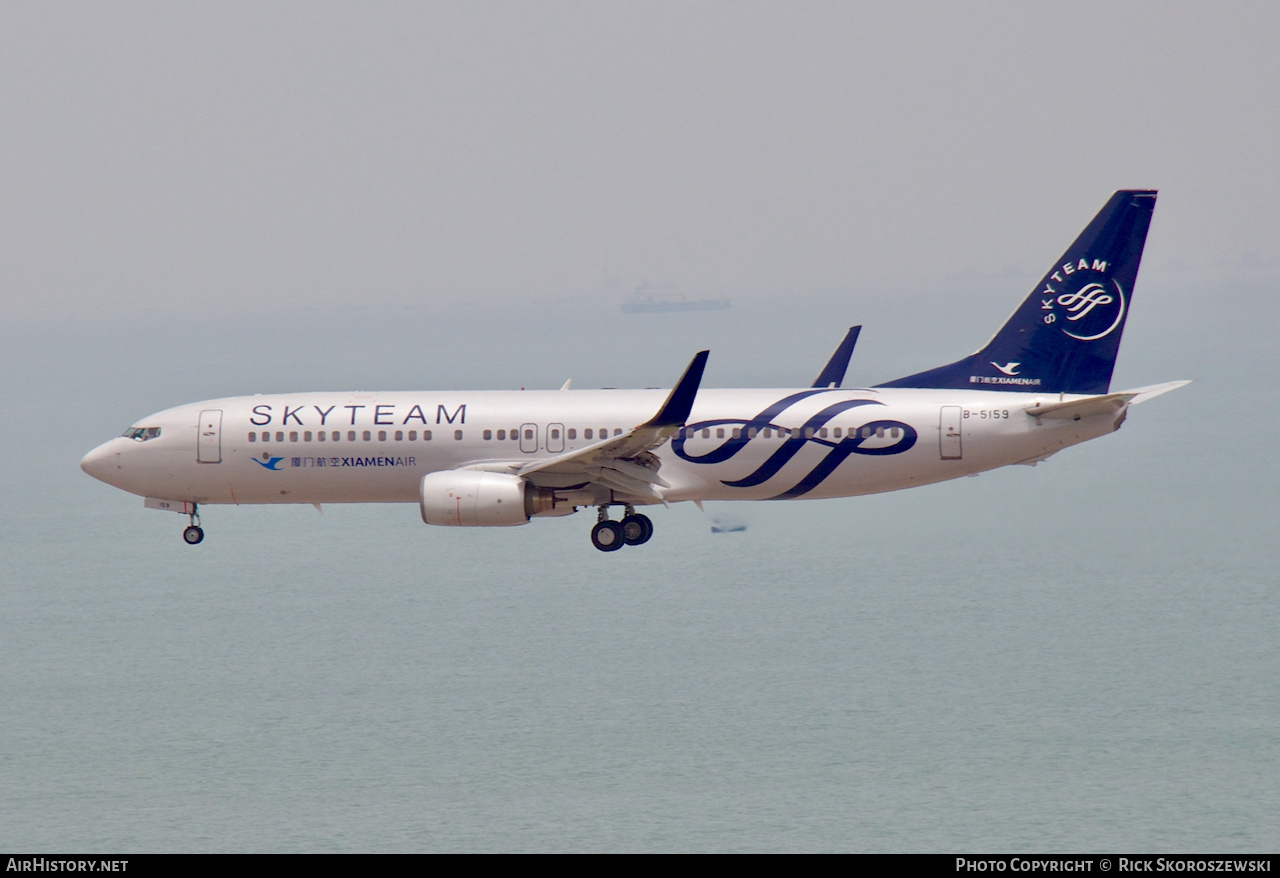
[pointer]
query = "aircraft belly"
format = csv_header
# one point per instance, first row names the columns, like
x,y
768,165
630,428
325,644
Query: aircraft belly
x,y
369,478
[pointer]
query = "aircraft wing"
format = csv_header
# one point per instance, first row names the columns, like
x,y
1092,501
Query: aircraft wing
x,y
625,463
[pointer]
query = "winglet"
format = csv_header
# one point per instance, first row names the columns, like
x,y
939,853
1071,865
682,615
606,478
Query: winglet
x,y
833,373
675,411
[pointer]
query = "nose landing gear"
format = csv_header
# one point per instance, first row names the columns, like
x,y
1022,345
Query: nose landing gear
x,y
194,533
610,536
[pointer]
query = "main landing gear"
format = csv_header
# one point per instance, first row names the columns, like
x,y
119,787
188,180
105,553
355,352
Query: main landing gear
x,y
610,536
194,533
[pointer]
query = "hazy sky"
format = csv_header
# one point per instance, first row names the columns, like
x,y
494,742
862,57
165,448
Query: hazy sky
x,y
208,160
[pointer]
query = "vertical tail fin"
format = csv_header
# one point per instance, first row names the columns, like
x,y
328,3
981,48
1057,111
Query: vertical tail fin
x,y
1065,336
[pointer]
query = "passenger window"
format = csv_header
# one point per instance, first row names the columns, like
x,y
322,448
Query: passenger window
x,y
293,435
836,431
487,434
426,435
253,437
573,433
528,434
351,435
322,435
768,434
306,436
413,435
617,432
822,433
719,432
279,435
879,432
706,434
587,433
399,435
457,434
502,434
367,436
737,432
555,434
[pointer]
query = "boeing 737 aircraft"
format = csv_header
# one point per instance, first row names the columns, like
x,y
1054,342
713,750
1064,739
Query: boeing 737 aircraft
x,y
499,458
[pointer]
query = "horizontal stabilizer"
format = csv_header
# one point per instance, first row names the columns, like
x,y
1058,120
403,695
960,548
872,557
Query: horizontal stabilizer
x,y
1081,408
1101,405
1142,394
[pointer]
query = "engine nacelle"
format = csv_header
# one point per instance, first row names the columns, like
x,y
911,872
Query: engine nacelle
x,y
474,498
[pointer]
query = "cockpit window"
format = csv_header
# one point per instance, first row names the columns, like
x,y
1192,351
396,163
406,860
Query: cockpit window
x,y
141,434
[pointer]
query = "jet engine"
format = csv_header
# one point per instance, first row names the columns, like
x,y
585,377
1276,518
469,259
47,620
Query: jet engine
x,y
476,498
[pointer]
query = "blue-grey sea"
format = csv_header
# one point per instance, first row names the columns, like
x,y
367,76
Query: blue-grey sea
x,y
1080,656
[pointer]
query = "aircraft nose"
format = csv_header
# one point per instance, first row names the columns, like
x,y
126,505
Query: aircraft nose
x,y
102,463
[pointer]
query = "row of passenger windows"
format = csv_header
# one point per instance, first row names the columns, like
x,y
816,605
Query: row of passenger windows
x,y
336,435
554,434
784,432
412,435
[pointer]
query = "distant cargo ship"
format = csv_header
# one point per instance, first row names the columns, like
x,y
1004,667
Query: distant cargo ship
x,y
648,299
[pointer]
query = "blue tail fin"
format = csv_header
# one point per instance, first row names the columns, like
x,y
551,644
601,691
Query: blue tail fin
x,y
1065,336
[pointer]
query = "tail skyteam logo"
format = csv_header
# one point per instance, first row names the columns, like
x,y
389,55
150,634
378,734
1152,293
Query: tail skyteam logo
x,y
878,437
1084,308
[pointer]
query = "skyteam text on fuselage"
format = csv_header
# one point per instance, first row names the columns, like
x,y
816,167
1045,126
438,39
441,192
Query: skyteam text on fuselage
x,y
500,458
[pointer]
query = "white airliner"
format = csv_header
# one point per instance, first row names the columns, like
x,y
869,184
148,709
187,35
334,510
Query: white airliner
x,y
499,458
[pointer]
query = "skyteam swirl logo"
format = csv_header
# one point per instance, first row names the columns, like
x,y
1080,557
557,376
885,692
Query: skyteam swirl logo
x,y
1093,299
867,438
1092,310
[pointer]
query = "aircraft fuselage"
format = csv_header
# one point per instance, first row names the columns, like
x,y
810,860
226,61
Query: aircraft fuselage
x,y
738,445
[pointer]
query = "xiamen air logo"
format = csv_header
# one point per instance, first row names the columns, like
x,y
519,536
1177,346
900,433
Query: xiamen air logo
x,y
1009,369
867,438
268,462
1085,309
